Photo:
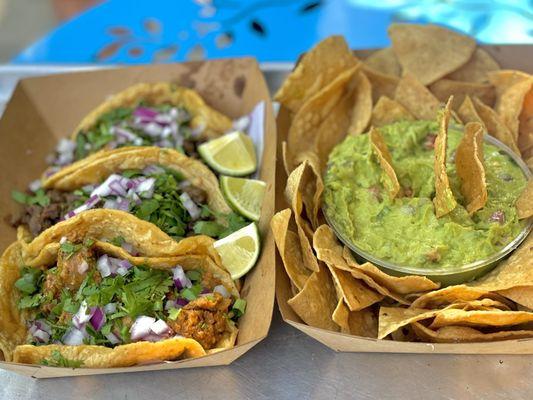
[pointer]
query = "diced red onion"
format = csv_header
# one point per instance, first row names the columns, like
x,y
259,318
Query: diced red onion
x,y
222,290
153,338
41,336
51,171
141,327
104,189
123,133
145,112
180,279
83,267
74,337
82,317
146,188
110,204
112,338
128,247
104,266
98,319
182,302
110,308
193,210
160,327
117,189
153,170
123,204
40,325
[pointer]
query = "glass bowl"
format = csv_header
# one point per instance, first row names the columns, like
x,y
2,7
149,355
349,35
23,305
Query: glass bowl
x,y
448,276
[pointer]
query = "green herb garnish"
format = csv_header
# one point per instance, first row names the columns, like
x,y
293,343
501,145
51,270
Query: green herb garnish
x,y
57,360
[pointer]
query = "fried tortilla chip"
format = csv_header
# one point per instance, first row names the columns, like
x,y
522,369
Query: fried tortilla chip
x,y
495,317
361,110
379,148
126,355
450,295
398,284
512,87
444,88
517,270
524,204
384,61
393,318
430,52
382,84
317,301
288,244
467,111
316,70
387,111
359,323
470,169
356,294
294,197
476,69
522,295
416,98
464,334
315,118
444,199
211,122
525,134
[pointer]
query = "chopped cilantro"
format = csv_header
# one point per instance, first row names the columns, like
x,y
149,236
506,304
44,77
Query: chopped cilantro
x,y
29,280
56,359
194,275
40,198
191,293
70,249
118,241
30,301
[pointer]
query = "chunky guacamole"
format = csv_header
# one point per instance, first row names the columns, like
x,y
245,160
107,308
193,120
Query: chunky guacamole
x,y
405,230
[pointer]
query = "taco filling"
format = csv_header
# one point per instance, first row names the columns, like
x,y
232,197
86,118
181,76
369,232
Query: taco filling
x,y
89,297
156,194
163,126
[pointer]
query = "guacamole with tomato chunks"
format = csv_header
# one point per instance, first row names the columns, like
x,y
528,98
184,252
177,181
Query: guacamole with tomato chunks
x,y
405,230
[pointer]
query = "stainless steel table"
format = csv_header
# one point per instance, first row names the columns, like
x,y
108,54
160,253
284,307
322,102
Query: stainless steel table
x,y
288,364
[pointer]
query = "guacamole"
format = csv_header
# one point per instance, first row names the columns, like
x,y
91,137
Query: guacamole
x,y
405,230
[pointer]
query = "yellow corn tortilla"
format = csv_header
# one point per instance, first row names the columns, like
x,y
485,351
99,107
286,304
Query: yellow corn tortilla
x,y
444,88
153,94
522,295
430,52
524,204
380,149
465,334
361,108
384,61
476,69
416,98
317,68
444,199
480,318
470,169
13,325
382,84
387,111
359,323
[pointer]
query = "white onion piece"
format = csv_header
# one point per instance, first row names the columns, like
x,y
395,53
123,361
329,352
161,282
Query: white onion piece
x,y
73,337
104,266
193,210
110,308
222,290
146,188
83,267
35,185
141,327
160,327
180,279
41,336
82,317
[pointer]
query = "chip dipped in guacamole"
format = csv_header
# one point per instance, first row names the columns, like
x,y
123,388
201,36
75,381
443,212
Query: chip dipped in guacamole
x,y
404,229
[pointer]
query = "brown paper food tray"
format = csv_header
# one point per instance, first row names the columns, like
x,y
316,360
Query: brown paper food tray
x,y
44,109
509,57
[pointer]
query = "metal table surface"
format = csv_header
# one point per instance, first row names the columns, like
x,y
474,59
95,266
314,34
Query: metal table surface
x,y
289,364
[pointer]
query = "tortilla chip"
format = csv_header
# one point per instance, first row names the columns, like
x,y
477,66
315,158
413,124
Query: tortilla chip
x,y
477,68
288,244
355,293
444,200
495,126
211,122
512,89
444,88
330,251
384,61
294,197
398,284
467,111
286,157
120,356
416,98
452,316
464,334
525,134
359,323
452,295
362,108
382,84
316,70
470,169
517,270
317,301
387,111
314,118
430,52
98,166
522,295
524,204
379,148
393,318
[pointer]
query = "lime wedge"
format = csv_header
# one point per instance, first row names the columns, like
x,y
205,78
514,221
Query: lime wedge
x,y
240,250
232,154
244,195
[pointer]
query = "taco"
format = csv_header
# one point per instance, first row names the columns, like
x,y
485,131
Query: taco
x,y
178,194
147,114
85,302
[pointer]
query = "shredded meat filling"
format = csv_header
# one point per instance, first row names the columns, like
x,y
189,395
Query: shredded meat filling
x,y
203,319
